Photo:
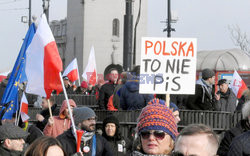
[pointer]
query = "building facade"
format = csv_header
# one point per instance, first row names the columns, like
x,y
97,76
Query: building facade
x,y
100,23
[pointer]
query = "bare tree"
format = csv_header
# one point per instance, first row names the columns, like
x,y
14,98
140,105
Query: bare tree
x,y
240,38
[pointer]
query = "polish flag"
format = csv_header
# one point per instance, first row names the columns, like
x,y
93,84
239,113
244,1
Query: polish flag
x,y
3,76
72,71
90,73
24,108
43,62
237,84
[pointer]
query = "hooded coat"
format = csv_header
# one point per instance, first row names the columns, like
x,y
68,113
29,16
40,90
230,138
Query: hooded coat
x,y
203,99
130,98
61,123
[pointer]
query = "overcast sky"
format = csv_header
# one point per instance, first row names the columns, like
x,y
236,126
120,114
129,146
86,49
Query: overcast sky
x,y
207,21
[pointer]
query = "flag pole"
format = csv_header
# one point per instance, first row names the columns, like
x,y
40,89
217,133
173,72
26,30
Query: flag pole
x,y
17,119
50,112
67,100
78,75
168,100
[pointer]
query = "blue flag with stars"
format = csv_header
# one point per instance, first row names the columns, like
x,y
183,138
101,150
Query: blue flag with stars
x,y
9,100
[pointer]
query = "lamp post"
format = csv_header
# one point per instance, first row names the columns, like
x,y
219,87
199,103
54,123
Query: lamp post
x,y
169,21
46,8
128,36
29,12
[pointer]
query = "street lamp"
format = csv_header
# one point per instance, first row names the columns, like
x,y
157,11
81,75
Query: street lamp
x,y
169,21
46,8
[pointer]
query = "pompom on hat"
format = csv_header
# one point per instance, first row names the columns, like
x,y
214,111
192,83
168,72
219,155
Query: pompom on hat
x,y
157,116
84,84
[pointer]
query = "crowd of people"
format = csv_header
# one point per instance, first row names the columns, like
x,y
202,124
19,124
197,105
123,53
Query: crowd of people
x,y
54,132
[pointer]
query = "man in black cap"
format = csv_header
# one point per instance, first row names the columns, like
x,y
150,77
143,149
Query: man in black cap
x,y
91,143
12,140
68,85
203,99
225,98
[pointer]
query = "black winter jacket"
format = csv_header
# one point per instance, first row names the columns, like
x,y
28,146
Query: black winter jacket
x,y
120,147
6,152
69,144
104,94
240,145
202,99
240,128
46,115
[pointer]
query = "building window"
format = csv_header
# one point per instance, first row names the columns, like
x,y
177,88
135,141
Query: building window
x,y
116,27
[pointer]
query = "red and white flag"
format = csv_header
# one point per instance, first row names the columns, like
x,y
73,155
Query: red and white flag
x,y
237,85
72,71
24,108
3,76
90,73
43,62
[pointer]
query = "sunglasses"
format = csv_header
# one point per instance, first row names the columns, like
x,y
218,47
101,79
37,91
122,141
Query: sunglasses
x,y
157,134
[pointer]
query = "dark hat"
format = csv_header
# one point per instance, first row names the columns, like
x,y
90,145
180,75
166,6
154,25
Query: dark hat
x,y
82,113
10,131
65,78
111,67
207,73
111,119
221,81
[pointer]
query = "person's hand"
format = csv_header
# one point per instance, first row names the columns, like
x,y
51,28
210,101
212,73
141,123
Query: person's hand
x,y
51,121
217,97
39,117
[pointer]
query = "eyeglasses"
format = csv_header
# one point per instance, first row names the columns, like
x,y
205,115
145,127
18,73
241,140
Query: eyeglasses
x,y
157,134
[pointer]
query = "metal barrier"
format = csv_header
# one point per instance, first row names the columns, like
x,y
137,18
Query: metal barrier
x,y
86,100
218,121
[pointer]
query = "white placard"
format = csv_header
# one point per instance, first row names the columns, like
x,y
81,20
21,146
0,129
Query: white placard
x,y
168,65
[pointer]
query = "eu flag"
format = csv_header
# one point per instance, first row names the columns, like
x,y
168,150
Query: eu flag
x,y
9,100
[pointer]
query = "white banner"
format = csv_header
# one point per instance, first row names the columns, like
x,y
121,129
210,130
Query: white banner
x,y
168,65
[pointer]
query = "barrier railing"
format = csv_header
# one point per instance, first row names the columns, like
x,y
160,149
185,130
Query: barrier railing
x,y
218,121
87,100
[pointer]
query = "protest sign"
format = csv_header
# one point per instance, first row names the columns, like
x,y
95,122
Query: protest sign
x,y
168,65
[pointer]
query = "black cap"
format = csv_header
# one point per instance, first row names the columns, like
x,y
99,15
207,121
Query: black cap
x,y
10,131
111,119
221,81
65,78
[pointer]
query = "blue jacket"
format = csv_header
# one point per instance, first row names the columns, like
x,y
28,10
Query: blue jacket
x,y
130,99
